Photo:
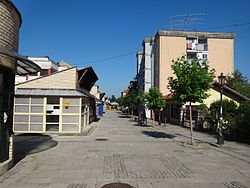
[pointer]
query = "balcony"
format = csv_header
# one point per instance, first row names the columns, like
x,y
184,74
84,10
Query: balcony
x,y
195,47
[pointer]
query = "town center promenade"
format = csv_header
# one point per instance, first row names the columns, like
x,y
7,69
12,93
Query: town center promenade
x,y
119,150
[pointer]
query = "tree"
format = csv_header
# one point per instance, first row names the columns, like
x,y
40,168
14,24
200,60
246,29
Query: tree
x,y
113,99
239,82
229,114
193,80
130,100
154,100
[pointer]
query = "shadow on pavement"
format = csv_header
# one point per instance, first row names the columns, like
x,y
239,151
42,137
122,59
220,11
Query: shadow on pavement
x,y
142,125
124,116
157,134
26,144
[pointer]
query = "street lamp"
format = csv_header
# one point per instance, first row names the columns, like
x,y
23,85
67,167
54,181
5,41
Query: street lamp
x,y
220,138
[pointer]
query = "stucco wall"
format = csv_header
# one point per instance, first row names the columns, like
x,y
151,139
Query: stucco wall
x,y
60,80
170,49
221,55
214,96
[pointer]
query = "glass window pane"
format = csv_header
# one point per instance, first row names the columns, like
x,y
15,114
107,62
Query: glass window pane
x,y
70,119
37,101
36,118
21,118
36,127
71,109
21,127
71,101
71,128
53,100
36,109
22,109
22,100
52,127
52,118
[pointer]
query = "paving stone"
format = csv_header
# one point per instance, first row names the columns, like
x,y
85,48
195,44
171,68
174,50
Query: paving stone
x,y
130,156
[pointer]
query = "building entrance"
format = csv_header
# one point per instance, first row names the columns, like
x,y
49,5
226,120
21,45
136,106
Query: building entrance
x,y
5,112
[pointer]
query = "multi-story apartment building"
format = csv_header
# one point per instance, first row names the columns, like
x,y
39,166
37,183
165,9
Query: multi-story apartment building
x,y
217,48
145,62
154,62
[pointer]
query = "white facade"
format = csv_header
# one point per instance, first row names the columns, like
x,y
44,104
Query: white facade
x,y
145,65
47,65
44,62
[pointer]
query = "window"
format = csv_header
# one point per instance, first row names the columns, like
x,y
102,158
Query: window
x,y
204,56
33,74
28,115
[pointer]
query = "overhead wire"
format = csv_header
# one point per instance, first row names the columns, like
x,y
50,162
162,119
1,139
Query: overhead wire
x,y
108,58
133,52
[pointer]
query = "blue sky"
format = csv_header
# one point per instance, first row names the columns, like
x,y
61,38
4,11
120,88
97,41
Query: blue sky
x,y
107,34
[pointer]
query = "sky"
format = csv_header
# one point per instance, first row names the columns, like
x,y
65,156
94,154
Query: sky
x,y
107,34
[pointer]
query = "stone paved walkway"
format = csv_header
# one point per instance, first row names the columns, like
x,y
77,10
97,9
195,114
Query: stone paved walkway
x,y
119,150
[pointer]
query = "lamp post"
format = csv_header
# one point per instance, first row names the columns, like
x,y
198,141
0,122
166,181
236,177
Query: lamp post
x,y
220,138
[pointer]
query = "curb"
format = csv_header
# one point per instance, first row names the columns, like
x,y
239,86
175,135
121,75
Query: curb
x,y
5,166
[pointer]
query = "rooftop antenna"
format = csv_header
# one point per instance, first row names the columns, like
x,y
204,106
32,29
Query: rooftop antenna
x,y
186,22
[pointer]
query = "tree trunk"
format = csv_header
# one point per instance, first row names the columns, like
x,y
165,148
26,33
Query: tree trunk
x,y
159,117
191,123
153,118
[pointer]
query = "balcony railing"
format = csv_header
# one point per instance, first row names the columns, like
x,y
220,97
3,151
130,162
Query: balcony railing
x,y
197,47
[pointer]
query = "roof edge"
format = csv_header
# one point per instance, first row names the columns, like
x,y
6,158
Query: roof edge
x,y
195,33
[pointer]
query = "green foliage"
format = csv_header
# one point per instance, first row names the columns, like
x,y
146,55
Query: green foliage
x,y
243,119
154,99
240,83
132,99
229,113
121,101
133,85
193,80
235,119
113,99
140,98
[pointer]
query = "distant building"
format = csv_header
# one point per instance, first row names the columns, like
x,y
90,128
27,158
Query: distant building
x,y
100,100
95,91
124,92
47,65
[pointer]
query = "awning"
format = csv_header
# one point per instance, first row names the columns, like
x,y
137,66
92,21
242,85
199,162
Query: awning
x,y
49,92
24,66
87,78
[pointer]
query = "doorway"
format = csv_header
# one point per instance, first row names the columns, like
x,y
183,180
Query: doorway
x,y
52,114
6,101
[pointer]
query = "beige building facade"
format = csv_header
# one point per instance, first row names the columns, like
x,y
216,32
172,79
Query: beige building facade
x,y
216,48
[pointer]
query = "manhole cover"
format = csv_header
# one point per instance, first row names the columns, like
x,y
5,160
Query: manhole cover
x,y
101,139
117,185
